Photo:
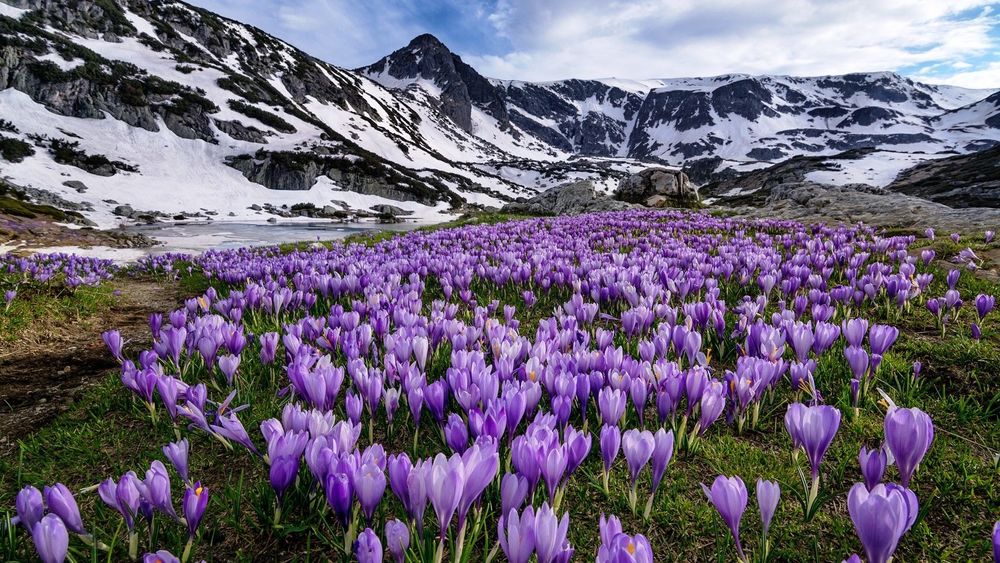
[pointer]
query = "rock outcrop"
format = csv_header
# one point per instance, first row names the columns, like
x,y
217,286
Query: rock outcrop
x,y
823,203
968,180
568,199
658,187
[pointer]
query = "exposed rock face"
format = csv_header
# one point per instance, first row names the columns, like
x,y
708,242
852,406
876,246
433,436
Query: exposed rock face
x,y
657,187
300,171
811,202
752,188
971,180
568,199
461,86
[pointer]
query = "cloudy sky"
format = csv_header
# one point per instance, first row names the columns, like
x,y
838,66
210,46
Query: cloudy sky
x,y
941,41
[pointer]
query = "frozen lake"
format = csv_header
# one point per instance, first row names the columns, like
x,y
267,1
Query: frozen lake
x,y
198,237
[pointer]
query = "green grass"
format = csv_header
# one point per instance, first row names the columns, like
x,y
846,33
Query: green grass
x,y
109,432
53,305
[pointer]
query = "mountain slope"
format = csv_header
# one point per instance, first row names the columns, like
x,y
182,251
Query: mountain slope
x,y
138,108
746,121
186,99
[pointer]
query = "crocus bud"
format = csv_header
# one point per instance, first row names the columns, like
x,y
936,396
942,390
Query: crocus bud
x,y
51,539
368,548
29,506
397,539
60,501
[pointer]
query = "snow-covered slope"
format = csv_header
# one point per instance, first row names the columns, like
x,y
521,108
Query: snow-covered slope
x,y
744,122
206,115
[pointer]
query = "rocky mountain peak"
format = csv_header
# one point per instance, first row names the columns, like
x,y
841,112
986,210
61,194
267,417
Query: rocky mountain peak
x,y
426,59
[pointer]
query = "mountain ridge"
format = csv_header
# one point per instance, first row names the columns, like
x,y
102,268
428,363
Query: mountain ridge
x,y
184,98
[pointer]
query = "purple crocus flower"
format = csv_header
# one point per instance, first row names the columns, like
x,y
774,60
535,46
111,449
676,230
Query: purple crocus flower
x,y
113,340
60,501
513,492
550,536
340,494
369,486
51,539
908,435
577,445
984,304
854,331
230,428
611,403
996,542
813,428
988,238
480,464
268,347
623,548
713,402
663,450
768,495
516,534
881,337
30,507
445,481
881,517
177,454
729,496
638,448
397,539
611,441
872,464
282,473
553,467
399,468
456,433
8,297
157,491
194,504
368,548
161,556
228,364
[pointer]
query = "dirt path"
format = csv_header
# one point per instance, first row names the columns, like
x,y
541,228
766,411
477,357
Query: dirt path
x,y
46,370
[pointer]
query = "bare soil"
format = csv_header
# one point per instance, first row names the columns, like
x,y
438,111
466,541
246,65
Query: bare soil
x,y
49,367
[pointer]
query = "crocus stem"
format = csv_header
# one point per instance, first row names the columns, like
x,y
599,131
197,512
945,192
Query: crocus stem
x,y
493,553
632,497
460,545
133,545
604,478
439,554
649,506
813,493
89,540
187,550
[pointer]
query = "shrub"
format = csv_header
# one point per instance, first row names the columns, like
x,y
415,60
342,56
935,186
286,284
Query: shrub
x,y
14,150
267,118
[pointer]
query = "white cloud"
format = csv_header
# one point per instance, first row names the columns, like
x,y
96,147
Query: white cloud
x,y
668,38
986,77
944,41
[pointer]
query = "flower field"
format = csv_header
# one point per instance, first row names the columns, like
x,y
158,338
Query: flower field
x,y
630,386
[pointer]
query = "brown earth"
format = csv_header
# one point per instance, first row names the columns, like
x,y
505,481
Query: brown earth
x,y
48,368
42,231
